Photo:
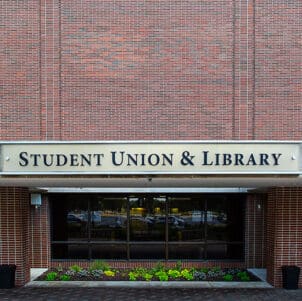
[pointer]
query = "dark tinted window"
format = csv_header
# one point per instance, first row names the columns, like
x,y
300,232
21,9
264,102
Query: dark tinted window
x,y
92,226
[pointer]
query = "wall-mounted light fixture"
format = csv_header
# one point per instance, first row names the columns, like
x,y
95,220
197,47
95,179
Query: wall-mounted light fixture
x,y
36,200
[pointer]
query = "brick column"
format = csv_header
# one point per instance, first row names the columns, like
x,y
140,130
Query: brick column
x,y
40,235
255,231
284,231
14,231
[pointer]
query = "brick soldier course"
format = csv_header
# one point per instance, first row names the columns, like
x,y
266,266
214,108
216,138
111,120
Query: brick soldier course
x,y
152,70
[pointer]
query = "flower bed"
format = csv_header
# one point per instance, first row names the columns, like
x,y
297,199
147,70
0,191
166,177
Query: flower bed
x,y
101,271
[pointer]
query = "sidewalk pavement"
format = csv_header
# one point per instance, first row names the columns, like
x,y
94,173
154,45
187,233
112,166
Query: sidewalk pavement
x,y
145,294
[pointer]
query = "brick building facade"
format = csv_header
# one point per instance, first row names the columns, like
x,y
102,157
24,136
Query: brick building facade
x,y
151,71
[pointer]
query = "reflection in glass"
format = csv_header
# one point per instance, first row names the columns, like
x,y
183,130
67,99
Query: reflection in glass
x,y
92,226
108,219
147,218
186,219
224,219
70,218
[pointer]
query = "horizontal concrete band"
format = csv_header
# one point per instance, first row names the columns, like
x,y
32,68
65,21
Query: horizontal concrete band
x,y
154,157
151,284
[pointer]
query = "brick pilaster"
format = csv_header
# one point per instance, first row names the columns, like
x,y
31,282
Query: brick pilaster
x,y
40,235
14,234
284,228
255,231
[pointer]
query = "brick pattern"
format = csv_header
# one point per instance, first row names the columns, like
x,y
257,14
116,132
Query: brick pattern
x,y
169,69
255,231
278,74
150,264
125,70
19,70
40,235
50,69
243,70
284,228
14,231
146,69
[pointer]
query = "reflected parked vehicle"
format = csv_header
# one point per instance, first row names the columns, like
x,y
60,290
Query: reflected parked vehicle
x,y
75,221
105,221
73,218
175,221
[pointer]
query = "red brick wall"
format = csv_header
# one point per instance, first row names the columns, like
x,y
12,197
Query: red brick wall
x,y
170,69
40,235
278,51
146,69
110,70
14,231
150,264
19,70
284,228
255,231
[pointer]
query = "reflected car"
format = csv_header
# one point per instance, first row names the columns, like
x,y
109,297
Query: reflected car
x,y
175,221
74,220
99,220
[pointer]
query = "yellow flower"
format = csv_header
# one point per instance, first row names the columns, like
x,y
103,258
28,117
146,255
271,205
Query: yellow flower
x,y
109,273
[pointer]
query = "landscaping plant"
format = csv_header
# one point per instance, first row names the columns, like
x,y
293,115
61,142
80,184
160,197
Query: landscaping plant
x,y
162,275
100,270
51,276
99,265
75,268
65,277
188,275
174,274
109,273
228,277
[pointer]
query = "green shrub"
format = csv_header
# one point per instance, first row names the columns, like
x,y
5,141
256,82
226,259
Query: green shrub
x,y
215,269
162,276
188,275
132,276
204,270
178,265
174,274
51,276
140,271
243,276
65,277
75,268
99,265
59,269
159,267
228,277
147,276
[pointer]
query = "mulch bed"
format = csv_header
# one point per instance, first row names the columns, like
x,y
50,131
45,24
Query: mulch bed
x,y
122,275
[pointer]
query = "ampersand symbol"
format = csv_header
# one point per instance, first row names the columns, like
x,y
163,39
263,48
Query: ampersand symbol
x,y
187,159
